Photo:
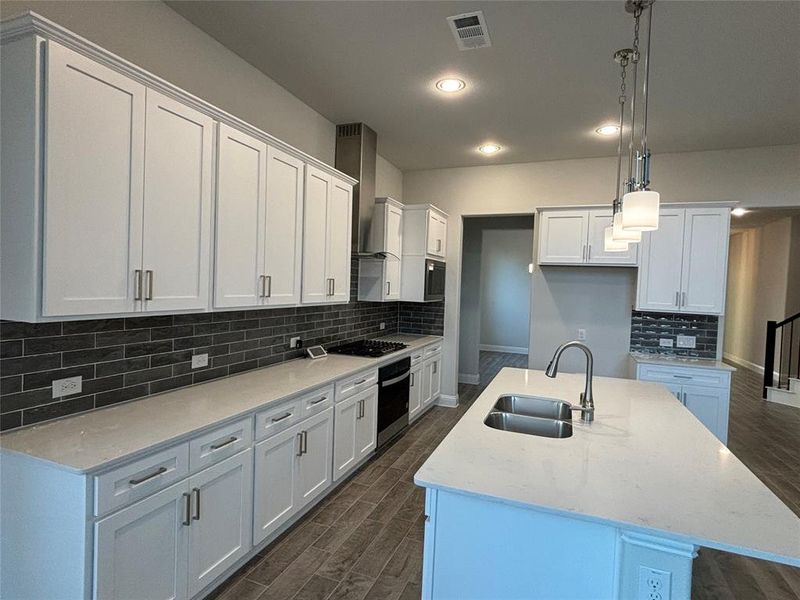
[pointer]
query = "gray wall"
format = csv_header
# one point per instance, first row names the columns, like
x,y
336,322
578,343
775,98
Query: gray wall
x,y
469,342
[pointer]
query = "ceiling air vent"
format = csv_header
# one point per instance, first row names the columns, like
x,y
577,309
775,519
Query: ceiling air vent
x,y
470,30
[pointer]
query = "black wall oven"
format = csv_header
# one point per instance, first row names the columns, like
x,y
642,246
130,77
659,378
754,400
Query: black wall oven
x,y
434,280
393,391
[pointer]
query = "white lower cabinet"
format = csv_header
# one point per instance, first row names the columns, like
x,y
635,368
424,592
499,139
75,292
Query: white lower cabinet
x,y
431,379
415,392
292,468
140,552
355,430
177,541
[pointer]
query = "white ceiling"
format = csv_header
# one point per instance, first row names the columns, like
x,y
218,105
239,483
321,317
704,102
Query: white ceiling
x,y
724,74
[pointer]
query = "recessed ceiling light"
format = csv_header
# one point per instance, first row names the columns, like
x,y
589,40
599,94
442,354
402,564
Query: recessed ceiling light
x,y
489,148
738,211
608,130
450,85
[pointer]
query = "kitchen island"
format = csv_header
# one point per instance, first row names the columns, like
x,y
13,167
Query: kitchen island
x,y
616,510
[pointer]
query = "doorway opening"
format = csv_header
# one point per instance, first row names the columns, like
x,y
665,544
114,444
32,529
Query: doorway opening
x,y
494,317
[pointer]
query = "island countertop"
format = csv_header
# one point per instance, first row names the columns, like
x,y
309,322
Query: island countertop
x,y
645,464
98,439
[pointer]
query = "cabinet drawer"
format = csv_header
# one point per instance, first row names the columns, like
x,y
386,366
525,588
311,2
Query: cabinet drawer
x,y
277,418
141,478
417,355
684,375
433,349
222,442
316,401
355,383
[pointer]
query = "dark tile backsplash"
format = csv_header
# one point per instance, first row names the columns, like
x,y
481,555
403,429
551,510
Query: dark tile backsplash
x,y
648,328
128,358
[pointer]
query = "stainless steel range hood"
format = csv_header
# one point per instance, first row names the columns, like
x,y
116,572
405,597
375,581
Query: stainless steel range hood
x,y
356,152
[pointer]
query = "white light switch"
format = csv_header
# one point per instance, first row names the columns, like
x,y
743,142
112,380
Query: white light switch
x,y
686,341
67,386
199,360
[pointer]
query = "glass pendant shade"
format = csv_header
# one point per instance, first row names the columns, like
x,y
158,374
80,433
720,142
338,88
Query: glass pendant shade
x,y
640,210
622,235
612,245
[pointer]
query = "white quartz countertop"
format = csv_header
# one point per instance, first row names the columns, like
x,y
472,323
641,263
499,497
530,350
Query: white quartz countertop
x,y
97,440
645,464
680,361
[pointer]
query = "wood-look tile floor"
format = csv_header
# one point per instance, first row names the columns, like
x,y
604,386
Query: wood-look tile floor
x,y
365,540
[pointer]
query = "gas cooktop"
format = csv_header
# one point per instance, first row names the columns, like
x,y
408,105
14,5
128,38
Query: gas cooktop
x,y
371,348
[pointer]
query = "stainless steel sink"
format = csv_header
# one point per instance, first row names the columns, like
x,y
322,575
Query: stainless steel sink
x,y
552,428
534,406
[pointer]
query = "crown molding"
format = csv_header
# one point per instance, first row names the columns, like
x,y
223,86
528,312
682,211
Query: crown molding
x,y
32,23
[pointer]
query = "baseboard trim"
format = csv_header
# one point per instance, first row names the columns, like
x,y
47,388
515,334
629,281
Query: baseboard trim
x,y
447,400
469,378
747,364
509,349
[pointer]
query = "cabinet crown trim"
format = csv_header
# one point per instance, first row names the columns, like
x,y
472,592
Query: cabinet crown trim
x,y
32,23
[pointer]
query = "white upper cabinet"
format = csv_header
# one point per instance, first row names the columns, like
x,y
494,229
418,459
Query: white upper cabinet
x,y
424,231
284,229
684,262
179,144
577,237
326,238
241,200
379,279
94,173
437,234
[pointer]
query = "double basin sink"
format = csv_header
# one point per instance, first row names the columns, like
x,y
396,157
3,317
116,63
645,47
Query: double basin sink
x,y
531,415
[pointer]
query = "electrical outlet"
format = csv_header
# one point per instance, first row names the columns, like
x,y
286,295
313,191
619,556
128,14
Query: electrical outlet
x,y
686,341
665,342
67,386
199,360
295,342
582,335
382,325
654,584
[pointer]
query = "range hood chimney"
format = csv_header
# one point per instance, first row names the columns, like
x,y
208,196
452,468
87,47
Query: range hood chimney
x,y
356,151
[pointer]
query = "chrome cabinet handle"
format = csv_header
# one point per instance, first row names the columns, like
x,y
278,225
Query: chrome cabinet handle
x,y
196,515
320,400
360,381
149,275
358,410
388,288
262,285
589,252
305,442
227,442
438,245
412,380
268,281
677,298
333,286
300,443
435,367
328,291
281,418
683,299
137,274
187,509
160,471
682,376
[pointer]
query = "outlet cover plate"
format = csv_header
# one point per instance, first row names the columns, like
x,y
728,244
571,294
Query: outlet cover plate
x,y
199,360
665,342
582,335
686,341
67,386
654,584
294,342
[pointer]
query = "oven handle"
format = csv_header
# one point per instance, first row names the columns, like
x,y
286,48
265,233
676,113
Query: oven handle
x,y
396,379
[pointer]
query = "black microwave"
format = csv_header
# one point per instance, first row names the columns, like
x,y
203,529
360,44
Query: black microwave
x,y
434,280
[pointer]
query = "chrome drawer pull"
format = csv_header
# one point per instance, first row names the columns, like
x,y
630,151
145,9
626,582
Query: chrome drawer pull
x,y
360,381
682,376
281,418
320,400
137,274
160,471
268,281
227,442
149,275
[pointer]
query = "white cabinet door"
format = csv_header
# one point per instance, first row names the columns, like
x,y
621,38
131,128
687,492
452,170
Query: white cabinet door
x,y
394,230
222,513
275,484
314,465
415,391
316,286
391,270
427,383
659,280
437,234
94,155
340,210
241,198
346,413
708,404
436,376
179,144
595,251
367,423
284,229
562,236
705,260
140,551
676,390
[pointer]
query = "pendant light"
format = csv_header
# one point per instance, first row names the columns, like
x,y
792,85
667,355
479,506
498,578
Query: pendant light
x,y
640,205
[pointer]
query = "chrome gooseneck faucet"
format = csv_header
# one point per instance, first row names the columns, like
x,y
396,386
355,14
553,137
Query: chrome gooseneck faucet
x,y
587,401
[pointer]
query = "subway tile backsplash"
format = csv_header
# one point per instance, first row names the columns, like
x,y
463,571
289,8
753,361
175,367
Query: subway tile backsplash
x,y
648,328
128,358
